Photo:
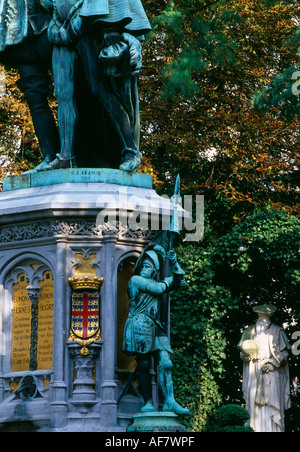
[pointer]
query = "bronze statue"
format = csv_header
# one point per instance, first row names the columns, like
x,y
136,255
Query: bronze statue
x,y
98,42
145,335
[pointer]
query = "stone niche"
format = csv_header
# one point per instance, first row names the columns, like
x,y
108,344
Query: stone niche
x,y
31,289
27,328
50,235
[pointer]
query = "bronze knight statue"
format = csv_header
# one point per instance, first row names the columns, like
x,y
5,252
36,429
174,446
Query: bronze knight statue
x,y
145,334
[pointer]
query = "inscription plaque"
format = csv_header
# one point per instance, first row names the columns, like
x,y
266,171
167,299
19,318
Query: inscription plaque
x,y
22,330
21,326
45,323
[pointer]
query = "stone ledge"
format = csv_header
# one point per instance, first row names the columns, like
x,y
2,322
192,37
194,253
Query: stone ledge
x,y
83,200
77,175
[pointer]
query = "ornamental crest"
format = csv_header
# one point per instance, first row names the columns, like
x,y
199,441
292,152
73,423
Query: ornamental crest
x,y
85,321
85,314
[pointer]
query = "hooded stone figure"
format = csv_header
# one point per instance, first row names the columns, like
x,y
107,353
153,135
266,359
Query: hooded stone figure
x,y
99,40
24,45
266,385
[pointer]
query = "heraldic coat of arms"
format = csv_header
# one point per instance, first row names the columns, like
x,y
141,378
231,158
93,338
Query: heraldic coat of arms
x,y
85,321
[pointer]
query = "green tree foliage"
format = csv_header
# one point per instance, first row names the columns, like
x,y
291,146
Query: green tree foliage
x,y
204,64
257,262
229,419
208,59
198,338
283,93
18,144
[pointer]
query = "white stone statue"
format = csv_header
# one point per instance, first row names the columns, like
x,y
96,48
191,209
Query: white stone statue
x,y
266,385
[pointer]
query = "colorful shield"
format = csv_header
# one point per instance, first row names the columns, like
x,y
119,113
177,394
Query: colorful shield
x,y
85,314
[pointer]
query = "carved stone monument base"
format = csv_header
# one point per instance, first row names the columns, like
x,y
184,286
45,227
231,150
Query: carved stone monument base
x,y
88,227
157,421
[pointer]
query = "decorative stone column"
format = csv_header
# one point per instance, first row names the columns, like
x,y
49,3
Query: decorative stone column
x,y
84,394
59,387
33,295
109,315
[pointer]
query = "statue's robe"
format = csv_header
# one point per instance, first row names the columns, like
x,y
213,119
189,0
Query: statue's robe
x,y
15,15
129,14
124,16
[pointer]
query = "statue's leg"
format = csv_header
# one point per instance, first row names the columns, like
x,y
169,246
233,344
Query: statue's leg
x,y
102,89
166,383
125,91
32,58
64,69
35,85
144,379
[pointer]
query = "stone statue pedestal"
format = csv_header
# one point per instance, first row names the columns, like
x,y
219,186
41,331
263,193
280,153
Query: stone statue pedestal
x,y
77,175
157,421
49,234
84,393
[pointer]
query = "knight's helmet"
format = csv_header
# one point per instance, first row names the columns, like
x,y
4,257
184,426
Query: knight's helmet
x,y
157,255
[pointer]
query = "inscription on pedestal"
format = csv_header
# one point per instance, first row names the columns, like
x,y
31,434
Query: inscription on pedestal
x,y
32,326
21,326
45,323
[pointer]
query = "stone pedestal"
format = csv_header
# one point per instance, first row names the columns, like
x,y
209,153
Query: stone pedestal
x,y
84,391
48,234
157,421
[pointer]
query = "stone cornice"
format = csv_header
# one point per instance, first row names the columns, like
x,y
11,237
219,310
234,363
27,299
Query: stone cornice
x,y
55,228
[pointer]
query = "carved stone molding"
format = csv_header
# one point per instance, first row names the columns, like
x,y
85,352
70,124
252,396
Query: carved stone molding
x,y
85,261
49,229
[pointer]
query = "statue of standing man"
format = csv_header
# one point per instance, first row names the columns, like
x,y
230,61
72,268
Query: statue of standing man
x,y
266,385
102,38
145,336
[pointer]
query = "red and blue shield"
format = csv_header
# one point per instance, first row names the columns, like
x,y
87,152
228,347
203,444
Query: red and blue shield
x,y
85,314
